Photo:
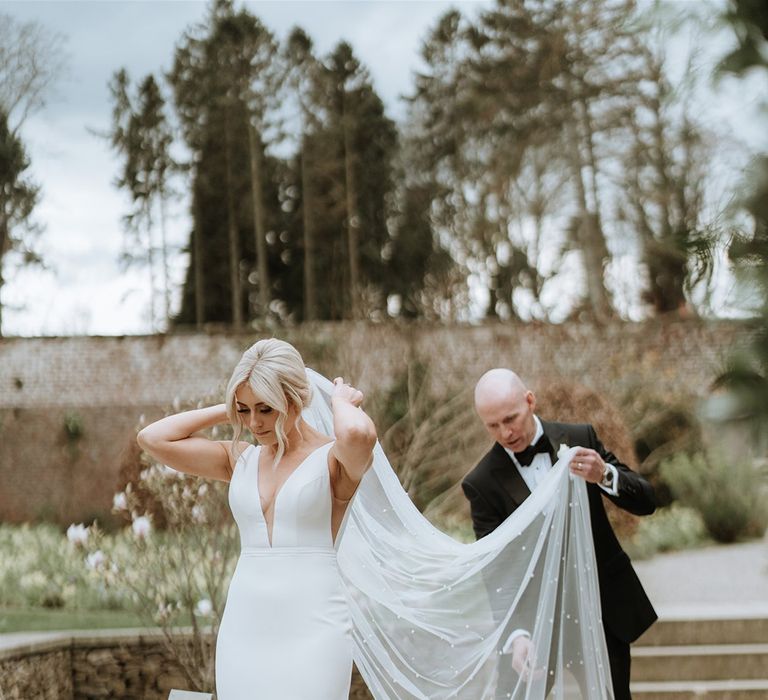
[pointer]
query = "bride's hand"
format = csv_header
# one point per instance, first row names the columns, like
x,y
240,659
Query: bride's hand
x,y
347,392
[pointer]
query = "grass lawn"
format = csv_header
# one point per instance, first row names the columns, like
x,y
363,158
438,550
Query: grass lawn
x,y
44,619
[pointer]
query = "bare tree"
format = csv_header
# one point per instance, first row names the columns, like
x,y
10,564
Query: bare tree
x,y
31,60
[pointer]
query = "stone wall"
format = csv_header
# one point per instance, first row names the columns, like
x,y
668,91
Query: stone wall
x,y
127,665
89,666
69,407
39,672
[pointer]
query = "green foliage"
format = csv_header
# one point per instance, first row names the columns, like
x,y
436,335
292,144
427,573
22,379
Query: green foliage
x,y
729,494
30,619
73,426
18,198
747,379
667,530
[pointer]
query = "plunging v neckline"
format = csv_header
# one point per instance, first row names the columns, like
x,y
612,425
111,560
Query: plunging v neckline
x,y
271,531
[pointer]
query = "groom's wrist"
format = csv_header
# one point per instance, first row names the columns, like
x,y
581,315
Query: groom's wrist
x,y
609,482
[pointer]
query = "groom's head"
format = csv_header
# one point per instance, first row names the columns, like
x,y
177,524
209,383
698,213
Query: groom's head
x,y
506,406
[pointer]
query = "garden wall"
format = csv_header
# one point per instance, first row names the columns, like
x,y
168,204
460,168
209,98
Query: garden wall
x,y
89,666
69,407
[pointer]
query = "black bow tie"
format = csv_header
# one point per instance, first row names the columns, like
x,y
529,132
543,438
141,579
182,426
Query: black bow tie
x,y
542,446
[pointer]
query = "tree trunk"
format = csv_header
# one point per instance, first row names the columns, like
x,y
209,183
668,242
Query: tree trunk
x,y
590,237
259,227
593,171
234,241
2,282
353,217
164,253
151,265
4,245
197,253
667,263
310,300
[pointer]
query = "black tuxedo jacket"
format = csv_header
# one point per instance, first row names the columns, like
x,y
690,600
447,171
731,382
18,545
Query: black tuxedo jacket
x,y
495,489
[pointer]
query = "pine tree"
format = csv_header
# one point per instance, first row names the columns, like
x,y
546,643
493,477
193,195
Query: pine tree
x,y
18,198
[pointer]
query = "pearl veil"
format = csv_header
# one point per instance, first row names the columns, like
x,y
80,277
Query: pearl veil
x,y
431,616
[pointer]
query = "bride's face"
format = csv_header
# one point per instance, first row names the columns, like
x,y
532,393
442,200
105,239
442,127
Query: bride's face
x,y
260,418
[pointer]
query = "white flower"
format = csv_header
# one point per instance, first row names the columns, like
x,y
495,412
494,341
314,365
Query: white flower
x,y
34,579
198,514
202,490
165,470
563,449
203,607
77,534
120,502
141,526
164,610
95,560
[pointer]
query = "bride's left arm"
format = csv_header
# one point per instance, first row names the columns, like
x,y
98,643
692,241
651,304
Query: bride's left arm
x,y
355,433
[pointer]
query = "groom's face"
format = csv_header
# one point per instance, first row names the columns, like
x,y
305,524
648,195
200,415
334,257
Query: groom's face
x,y
508,418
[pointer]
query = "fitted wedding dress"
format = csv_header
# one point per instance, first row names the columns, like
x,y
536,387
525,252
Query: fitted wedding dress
x,y
286,632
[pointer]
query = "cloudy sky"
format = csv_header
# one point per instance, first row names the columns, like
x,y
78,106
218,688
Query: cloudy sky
x,y
84,290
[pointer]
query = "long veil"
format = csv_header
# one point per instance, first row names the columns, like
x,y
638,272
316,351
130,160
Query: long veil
x,y
431,616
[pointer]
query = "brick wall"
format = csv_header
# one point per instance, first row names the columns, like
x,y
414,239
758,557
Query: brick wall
x,y
69,407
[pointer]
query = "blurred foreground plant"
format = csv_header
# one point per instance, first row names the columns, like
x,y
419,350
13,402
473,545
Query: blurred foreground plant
x,y
729,494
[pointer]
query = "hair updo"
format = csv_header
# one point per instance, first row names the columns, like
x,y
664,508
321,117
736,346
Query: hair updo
x,y
276,374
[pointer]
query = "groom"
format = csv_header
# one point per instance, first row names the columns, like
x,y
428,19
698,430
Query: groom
x,y
522,454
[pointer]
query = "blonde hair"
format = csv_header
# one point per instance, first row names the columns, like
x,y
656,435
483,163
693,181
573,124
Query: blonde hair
x,y
276,374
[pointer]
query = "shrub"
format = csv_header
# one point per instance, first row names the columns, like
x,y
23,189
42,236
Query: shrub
x,y
667,530
729,494
175,558
574,403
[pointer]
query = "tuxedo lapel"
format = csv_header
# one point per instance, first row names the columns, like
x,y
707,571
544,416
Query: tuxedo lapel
x,y
556,434
506,473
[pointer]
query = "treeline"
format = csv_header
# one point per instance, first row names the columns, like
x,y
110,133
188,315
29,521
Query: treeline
x,y
543,144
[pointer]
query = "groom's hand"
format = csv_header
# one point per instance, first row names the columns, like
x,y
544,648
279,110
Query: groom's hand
x,y
588,464
524,659
521,651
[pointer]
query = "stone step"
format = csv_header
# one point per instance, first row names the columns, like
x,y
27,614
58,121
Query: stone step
x,y
707,627
700,662
701,690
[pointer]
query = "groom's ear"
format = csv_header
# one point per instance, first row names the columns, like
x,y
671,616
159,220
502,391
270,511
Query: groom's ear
x,y
530,399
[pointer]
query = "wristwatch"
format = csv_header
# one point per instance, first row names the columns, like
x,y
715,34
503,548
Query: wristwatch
x,y
607,479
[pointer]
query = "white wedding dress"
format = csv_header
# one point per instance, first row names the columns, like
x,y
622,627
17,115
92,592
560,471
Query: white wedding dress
x,y
286,632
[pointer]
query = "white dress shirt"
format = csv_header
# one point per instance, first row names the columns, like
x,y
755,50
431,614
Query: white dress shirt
x,y
534,473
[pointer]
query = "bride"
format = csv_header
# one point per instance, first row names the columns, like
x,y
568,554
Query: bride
x,y
337,564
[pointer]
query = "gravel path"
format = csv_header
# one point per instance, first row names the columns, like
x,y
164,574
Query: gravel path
x,y
717,579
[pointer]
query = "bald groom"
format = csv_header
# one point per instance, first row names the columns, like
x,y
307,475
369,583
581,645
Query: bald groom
x,y
523,452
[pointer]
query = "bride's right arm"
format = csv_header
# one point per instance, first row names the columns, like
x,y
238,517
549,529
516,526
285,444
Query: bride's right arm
x,y
171,441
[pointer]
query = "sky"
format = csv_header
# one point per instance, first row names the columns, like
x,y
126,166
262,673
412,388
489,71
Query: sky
x,y
83,290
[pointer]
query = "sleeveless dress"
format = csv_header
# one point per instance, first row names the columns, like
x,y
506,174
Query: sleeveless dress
x,y
285,633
